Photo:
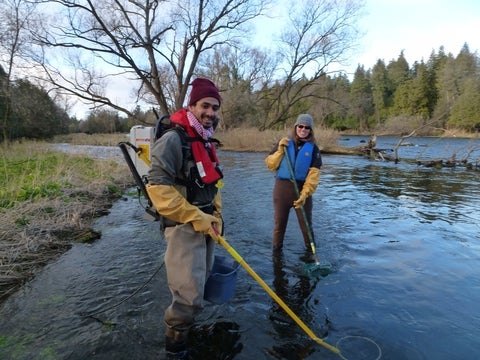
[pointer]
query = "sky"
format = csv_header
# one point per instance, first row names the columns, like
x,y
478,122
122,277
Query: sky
x,y
417,27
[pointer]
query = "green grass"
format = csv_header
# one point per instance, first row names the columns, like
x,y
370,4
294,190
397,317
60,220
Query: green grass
x,y
29,172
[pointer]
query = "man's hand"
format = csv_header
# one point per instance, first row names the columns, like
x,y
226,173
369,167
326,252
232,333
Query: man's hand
x,y
204,224
219,226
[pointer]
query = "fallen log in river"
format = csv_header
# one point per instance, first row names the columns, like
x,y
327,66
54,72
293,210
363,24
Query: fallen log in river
x,y
371,151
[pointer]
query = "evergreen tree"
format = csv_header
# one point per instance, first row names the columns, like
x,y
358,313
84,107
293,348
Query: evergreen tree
x,y
361,98
380,91
398,73
466,109
447,88
466,66
434,64
422,92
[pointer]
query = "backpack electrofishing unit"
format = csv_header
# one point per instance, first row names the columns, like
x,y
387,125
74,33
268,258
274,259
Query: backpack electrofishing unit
x,y
138,155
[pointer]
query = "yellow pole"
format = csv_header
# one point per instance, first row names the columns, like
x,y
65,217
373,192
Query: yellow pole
x,y
270,292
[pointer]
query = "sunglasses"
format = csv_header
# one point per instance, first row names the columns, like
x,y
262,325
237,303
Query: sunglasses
x,y
304,127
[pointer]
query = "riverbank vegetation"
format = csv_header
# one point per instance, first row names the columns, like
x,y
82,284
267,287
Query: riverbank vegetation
x,y
47,201
241,139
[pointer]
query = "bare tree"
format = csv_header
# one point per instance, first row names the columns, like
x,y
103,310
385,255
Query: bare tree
x,y
316,35
269,87
155,44
242,70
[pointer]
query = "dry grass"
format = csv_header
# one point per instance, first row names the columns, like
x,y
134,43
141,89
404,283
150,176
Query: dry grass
x,y
455,133
239,139
91,139
250,139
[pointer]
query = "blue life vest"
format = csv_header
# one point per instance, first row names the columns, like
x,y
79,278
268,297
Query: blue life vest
x,y
301,164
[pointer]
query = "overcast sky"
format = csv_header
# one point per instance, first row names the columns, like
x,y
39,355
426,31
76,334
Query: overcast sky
x,y
417,27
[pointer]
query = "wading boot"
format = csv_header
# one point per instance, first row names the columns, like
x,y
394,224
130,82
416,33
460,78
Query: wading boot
x,y
176,344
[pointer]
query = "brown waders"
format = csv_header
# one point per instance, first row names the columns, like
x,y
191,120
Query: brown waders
x,y
189,260
283,197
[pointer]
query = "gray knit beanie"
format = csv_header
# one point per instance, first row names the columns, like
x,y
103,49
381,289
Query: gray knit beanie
x,y
304,119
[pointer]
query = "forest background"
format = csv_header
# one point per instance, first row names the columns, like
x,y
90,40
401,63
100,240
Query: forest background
x,y
55,53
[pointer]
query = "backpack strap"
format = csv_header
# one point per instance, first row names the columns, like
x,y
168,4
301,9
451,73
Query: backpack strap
x,y
162,125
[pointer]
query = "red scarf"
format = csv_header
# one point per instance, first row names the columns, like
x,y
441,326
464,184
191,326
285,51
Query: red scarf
x,y
205,157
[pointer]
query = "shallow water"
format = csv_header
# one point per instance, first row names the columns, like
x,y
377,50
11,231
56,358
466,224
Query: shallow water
x,y
403,243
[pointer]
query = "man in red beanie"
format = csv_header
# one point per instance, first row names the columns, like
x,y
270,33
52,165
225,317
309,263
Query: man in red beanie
x,y
186,193
202,88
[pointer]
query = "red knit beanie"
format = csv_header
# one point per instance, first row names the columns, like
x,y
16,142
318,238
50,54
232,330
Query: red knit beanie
x,y
202,88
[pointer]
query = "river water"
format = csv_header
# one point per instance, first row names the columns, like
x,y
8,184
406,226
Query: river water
x,y
402,242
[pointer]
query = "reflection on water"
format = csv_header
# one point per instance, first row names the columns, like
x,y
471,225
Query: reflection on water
x,y
435,194
404,243
297,290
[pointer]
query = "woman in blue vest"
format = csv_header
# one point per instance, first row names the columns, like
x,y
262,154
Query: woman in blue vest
x,y
306,161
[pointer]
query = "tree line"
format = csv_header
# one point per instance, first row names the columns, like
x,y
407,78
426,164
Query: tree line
x,y
54,51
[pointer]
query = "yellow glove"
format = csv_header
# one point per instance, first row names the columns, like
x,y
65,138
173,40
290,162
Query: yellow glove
x,y
309,187
273,160
300,201
204,224
217,204
171,204
282,143
219,225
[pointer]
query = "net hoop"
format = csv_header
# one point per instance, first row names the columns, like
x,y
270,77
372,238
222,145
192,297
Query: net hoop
x,y
359,337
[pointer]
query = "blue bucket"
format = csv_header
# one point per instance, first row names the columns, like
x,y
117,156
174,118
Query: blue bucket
x,y
220,285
